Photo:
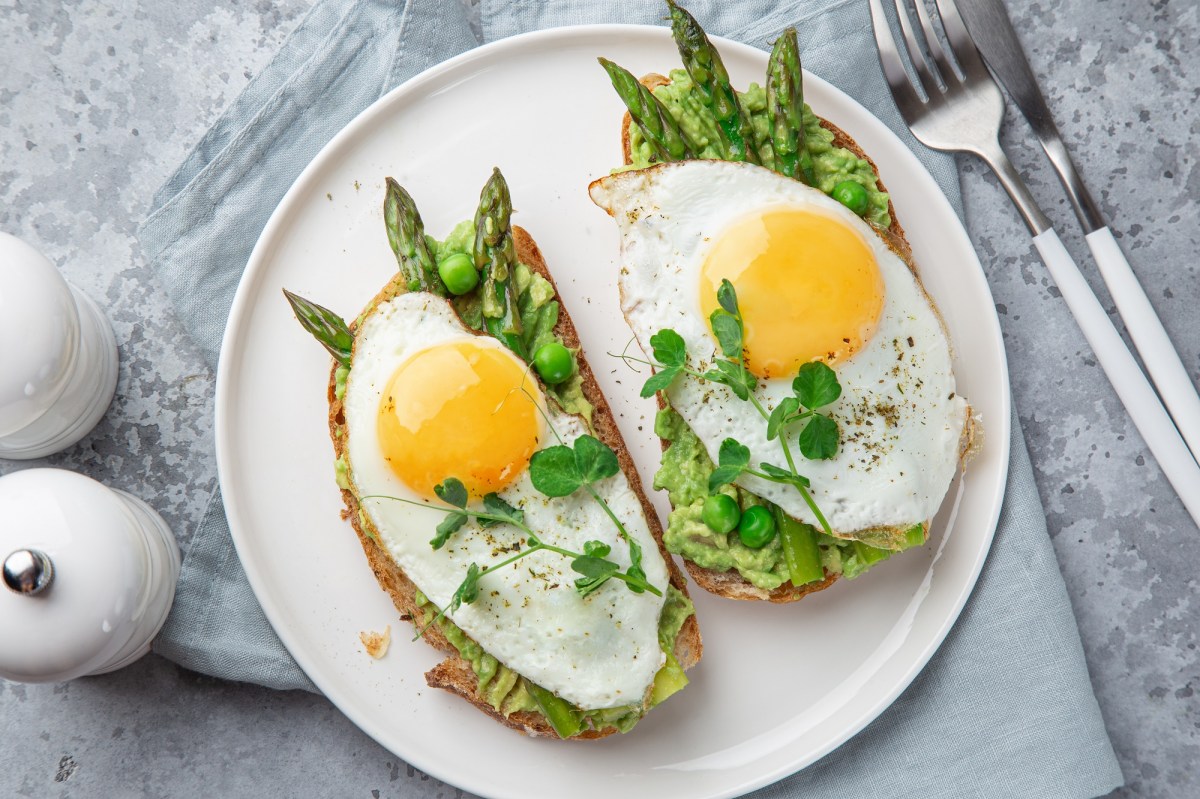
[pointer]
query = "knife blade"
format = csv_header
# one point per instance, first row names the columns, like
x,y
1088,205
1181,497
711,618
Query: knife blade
x,y
989,25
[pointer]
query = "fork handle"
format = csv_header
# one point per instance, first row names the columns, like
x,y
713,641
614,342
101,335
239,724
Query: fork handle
x,y
1146,330
1144,407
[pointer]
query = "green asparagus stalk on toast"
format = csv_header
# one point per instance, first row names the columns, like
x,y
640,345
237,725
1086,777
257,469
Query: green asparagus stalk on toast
x,y
669,141
800,549
785,104
496,256
406,234
703,63
325,326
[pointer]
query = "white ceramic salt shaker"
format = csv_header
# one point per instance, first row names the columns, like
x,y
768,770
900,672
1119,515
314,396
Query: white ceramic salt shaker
x,y
59,367
88,572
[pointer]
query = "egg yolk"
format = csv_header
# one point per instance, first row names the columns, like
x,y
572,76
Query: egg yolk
x,y
455,410
807,285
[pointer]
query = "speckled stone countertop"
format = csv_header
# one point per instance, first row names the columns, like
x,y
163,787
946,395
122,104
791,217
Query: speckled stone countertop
x,y
99,101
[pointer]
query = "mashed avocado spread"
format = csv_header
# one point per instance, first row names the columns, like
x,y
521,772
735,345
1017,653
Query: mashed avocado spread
x,y
508,692
831,165
684,474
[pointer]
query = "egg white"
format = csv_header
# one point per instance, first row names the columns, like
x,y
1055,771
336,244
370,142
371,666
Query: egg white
x,y
596,652
900,416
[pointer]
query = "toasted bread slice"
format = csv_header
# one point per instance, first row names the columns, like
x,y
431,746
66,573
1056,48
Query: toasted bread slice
x,y
454,673
730,584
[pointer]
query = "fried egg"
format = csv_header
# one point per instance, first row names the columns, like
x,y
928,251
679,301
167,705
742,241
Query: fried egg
x,y
428,399
814,283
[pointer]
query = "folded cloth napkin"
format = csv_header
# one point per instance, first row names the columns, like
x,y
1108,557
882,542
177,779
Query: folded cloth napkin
x,y
1005,708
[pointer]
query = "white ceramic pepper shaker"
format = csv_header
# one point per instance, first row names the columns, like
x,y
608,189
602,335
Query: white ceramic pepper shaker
x,y
88,572
59,368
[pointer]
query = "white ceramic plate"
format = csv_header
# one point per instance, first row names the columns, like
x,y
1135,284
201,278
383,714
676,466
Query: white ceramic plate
x,y
760,706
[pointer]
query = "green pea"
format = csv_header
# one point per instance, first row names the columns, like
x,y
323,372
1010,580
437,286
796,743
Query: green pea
x,y
721,513
458,273
851,194
553,362
756,528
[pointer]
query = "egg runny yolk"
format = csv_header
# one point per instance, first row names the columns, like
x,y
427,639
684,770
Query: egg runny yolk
x,y
456,410
807,285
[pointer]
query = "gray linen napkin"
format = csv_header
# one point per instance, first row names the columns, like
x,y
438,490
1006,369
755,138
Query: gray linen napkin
x,y
1004,709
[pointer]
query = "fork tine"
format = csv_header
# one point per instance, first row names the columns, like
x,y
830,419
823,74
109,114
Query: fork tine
x,y
944,64
906,97
926,73
962,46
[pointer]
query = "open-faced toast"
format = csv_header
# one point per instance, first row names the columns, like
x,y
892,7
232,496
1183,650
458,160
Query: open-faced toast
x,y
677,122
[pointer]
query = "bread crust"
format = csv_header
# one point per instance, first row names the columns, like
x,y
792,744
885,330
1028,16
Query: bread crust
x,y
729,583
454,674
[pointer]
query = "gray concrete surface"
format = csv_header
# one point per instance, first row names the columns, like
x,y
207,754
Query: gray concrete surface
x,y
99,101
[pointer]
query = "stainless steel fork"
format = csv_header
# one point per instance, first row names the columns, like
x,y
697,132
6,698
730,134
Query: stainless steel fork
x,y
957,106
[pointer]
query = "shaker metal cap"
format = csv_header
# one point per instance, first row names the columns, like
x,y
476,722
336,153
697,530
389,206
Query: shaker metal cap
x,y
28,572
74,574
38,310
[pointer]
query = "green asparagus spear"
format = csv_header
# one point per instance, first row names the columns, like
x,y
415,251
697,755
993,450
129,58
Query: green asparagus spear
x,y
495,255
785,103
406,234
703,63
914,536
558,712
869,554
669,141
325,326
800,549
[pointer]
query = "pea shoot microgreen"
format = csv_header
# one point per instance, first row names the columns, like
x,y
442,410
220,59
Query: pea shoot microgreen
x,y
454,493
815,386
562,470
589,464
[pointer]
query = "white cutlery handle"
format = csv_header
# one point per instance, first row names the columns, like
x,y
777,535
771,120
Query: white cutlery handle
x,y
1131,385
1151,340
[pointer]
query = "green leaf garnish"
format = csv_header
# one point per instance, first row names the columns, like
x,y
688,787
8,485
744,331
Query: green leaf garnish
x,y
816,385
732,460
819,438
670,353
728,330
659,381
635,565
732,374
495,505
787,408
594,460
639,574
553,472
562,470
668,348
596,572
598,549
727,297
452,492
777,475
468,590
446,528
